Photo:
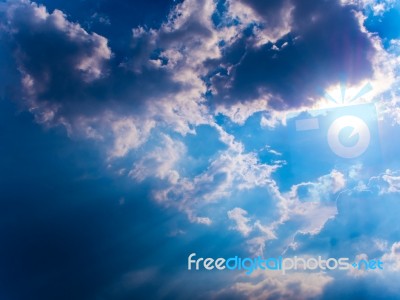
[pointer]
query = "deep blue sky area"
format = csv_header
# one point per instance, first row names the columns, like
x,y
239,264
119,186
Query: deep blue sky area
x,y
135,133
65,232
386,25
61,220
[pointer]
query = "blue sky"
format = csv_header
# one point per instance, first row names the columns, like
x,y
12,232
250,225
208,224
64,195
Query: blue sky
x,y
136,133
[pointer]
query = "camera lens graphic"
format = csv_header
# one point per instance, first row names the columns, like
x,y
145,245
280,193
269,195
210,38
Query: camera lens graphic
x,y
358,127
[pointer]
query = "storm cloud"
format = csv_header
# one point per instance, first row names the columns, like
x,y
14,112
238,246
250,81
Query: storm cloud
x,y
325,45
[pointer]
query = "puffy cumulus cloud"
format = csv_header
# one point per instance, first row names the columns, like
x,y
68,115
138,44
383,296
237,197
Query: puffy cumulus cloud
x,y
70,77
129,135
387,182
357,222
240,112
181,44
392,182
360,227
294,213
59,61
325,43
273,18
238,215
385,79
304,212
160,162
321,190
232,170
339,191
391,259
308,213
241,169
364,218
274,285
390,109
389,105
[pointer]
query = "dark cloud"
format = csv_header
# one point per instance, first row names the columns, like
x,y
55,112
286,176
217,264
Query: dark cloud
x,y
67,72
114,18
272,12
325,45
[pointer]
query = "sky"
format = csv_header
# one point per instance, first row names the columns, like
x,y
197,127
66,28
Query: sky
x,y
134,133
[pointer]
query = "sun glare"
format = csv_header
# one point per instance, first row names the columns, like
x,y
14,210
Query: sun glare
x,y
342,95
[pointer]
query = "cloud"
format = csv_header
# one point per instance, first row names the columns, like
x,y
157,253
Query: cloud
x,y
273,285
392,182
391,259
347,232
304,213
207,60
161,86
233,169
363,215
387,182
321,190
59,61
85,82
70,77
161,162
273,17
129,134
238,215
325,43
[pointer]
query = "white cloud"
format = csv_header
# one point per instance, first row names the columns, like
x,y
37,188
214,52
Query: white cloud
x,y
160,162
273,285
392,180
238,215
321,189
232,170
129,134
310,214
391,259
275,25
240,112
386,183
378,8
